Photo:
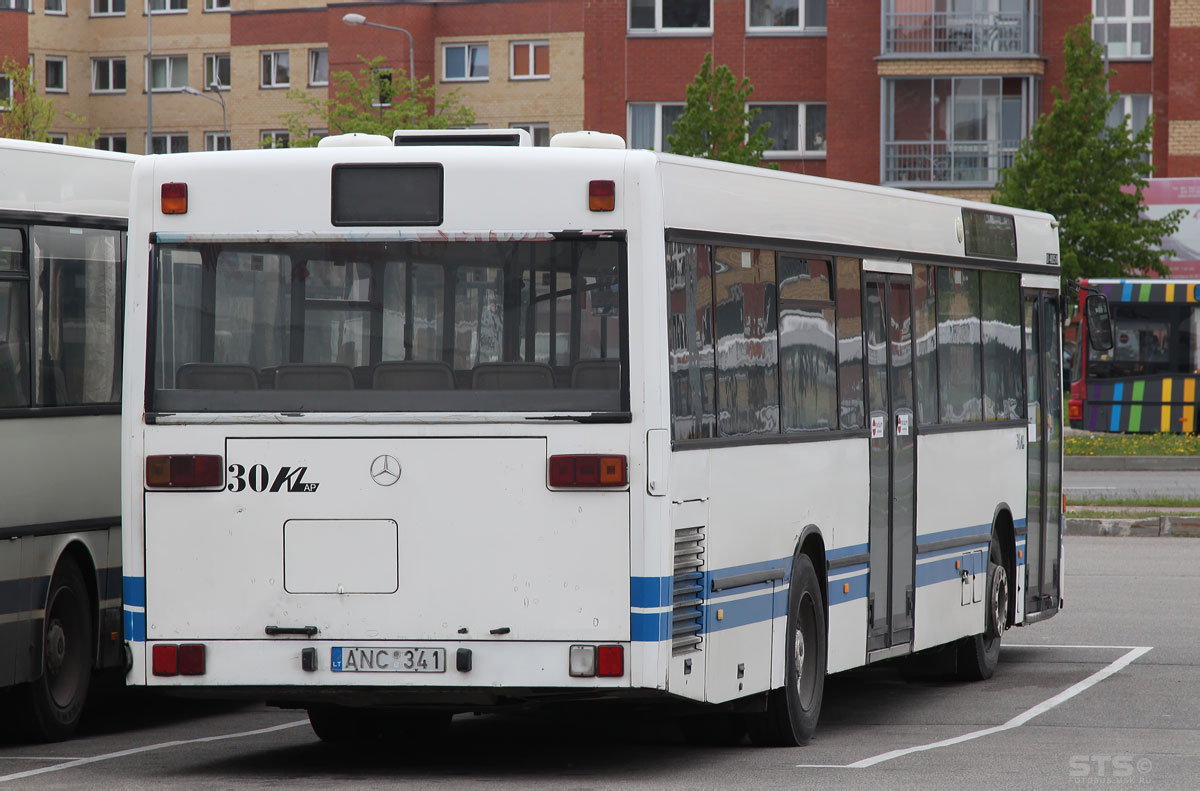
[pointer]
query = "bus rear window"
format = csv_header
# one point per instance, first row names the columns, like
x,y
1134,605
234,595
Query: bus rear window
x,y
389,327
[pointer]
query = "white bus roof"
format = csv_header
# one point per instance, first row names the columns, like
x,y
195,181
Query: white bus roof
x,y
48,177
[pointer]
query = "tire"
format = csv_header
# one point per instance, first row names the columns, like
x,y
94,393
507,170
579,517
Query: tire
x,y
978,656
792,711
54,701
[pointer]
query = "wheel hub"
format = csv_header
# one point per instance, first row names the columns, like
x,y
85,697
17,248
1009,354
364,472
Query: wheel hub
x,y
56,647
999,601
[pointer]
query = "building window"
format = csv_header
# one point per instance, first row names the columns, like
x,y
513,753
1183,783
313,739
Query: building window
x,y
108,7
111,143
216,141
216,71
955,27
274,138
318,67
381,79
56,74
670,15
57,137
56,7
170,143
540,132
958,130
108,75
216,5
6,96
529,60
651,124
785,15
275,72
168,6
1125,26
1131,111
465,62
168,72
795,129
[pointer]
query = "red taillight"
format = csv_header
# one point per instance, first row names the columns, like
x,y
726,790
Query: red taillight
x,y
610,660
587,471
174,198
602,195
165,660
1074,410
191,659
184,472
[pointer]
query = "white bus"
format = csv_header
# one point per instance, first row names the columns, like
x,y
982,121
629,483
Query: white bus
x,y
62,254
426,429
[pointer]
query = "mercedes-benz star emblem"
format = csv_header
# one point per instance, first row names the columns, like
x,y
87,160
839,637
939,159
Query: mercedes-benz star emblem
x,y
385,470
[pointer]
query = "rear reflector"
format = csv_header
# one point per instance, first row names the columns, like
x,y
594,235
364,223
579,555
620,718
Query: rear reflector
x,y
587,471
610,660
165,660
191,659
184,472
602,195
174,198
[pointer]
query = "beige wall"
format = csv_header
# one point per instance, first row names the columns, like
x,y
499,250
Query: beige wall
x,y
255,109
1185,13
924,67
500,101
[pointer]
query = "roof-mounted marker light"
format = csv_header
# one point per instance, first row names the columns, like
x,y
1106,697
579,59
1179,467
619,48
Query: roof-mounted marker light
x,y
602,195
174,198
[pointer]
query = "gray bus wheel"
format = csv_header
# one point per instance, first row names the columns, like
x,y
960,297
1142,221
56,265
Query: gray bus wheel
x,y
792,711
54,701
979,655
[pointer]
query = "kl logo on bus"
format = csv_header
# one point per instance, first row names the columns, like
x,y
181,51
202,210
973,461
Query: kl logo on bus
x,y
259,479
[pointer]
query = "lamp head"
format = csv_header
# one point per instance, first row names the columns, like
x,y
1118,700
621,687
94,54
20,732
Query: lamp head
x,y
354,19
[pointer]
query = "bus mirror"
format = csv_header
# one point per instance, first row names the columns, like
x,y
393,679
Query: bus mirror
x,y
1099,322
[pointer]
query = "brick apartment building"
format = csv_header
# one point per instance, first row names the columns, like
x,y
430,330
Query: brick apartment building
x,y
927,94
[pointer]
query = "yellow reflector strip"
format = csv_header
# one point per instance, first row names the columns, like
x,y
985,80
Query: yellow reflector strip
x,y
1166,407
1189,397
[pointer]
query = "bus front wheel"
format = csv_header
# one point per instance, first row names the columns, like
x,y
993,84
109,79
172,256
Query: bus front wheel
x,y
792,711
54,700
979,655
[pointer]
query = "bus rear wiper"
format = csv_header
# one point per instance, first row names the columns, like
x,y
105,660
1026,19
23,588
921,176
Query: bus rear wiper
x,y
594,417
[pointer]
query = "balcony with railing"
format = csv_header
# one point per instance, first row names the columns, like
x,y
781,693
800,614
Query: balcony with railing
x,y
945,33
973,163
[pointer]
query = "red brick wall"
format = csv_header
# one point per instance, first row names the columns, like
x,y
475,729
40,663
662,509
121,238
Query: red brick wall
x,y
853,88
278,27
14,36
346,43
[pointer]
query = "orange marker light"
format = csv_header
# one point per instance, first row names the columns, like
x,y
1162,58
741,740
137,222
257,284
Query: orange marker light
x,y
602,195
846,587
174,198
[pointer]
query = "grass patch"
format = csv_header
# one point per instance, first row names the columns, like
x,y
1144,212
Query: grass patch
x,y
1132,445
1131,513
1139,502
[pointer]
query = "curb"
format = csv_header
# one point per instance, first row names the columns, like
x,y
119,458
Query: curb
x,y
1119,463
1183,526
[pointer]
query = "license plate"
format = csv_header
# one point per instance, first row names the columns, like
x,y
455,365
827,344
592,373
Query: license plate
x,y
376,659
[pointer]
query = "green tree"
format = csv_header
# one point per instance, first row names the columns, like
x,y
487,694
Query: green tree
x,y
1089,175
29,115
378,100
715,123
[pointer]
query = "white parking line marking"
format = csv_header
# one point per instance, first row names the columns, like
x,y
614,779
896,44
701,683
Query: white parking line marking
x,y
146,749
1015,722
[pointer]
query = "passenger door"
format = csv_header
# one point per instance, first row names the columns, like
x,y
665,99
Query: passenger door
x,y
1044,503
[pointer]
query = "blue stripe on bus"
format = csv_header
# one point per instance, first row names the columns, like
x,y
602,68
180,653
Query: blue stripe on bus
x,y
135,591
1126,291
962,532
839,595
649,591
1114,422
23,595
844,552
135,626
649,627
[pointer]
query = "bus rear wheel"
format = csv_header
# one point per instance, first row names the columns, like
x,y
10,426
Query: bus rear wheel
x,y
54,701
979,655
792,711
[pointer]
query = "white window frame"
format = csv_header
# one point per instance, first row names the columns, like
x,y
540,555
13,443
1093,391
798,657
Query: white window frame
x,y
211,6
533,45
273,136
1124,105
56,137
660,139
273,55
106,64
170,137
533,128
802,151
313,56
109,10
1101,22
61,60
107,141
169,7
211,140
467,47
802,25
211,65
658,28
60,11
172,62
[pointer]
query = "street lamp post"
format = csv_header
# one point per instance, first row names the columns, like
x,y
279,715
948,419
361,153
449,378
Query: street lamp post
x,y
219,100
355,20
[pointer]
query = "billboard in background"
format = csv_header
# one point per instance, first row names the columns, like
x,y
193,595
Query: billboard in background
x,y
1164,195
